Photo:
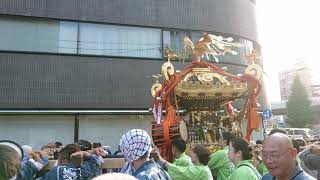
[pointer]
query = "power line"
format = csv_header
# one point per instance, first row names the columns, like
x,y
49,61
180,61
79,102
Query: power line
x,y
115,53
155,48
94,42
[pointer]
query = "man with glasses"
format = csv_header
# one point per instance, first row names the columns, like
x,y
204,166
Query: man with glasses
x,y
279,156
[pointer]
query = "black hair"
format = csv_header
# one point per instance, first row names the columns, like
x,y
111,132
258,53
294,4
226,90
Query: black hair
x,y
258,142
203,153
180,144
84,145
96,145
66,152
225,136
70,147
297,143
58,144
278,131
242,145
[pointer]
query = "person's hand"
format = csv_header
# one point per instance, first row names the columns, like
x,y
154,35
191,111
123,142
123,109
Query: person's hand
x,y
161,161
84,154
317,143
50,146
315,149
35,156
42,154
39,159
154,154
39,155
48,151
309,147
99,152
77,158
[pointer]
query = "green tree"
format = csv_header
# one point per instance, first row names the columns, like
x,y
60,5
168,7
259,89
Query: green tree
x,y
299,106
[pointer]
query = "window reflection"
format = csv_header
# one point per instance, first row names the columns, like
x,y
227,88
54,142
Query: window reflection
x,y
45,35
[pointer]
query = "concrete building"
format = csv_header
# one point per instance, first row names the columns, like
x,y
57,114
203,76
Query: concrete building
x,y
286,79
76,69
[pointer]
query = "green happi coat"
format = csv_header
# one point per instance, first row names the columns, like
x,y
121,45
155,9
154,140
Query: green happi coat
x,y
183,160
193,172
245,170
220,165
262,169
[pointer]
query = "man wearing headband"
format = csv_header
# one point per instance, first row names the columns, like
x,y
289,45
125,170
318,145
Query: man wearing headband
x,y
136,148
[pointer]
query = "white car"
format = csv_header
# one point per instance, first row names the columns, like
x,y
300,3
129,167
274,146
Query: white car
x,y
300,133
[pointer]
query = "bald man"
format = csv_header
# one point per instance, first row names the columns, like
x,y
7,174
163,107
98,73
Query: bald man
x,y
279,156
115,176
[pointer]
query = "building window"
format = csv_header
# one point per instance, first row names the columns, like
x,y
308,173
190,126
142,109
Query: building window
x,y
53,36
68,37
174,39
45,35
100,39
21,34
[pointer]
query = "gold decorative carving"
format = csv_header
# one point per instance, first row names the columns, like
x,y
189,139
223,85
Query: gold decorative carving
x,y
207,45
203,81
171,55
255,70
167,70
156,86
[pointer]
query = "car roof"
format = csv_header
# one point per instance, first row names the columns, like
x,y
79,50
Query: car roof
x,y
297,128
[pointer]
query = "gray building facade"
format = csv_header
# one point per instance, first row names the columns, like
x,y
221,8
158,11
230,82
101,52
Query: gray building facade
x,y
84,65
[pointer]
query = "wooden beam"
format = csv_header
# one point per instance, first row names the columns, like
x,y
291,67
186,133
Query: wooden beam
x,y
113,163
109,163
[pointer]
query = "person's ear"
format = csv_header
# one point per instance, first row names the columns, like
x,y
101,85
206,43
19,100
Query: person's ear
x,y
294,152
238,154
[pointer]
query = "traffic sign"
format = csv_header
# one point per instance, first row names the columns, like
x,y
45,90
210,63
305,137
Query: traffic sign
x,y
266,114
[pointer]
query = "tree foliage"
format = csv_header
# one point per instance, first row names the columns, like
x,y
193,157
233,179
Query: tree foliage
x,y
299,106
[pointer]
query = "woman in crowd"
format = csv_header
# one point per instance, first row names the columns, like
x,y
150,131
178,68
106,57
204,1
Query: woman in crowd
x,y
200,170
12,165
240,155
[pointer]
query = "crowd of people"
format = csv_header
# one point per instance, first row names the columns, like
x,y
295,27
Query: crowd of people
x,y
276,158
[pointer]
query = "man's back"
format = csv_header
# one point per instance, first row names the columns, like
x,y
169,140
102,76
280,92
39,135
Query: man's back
x,y
151,170
68,171
183,160
71,172
220,165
